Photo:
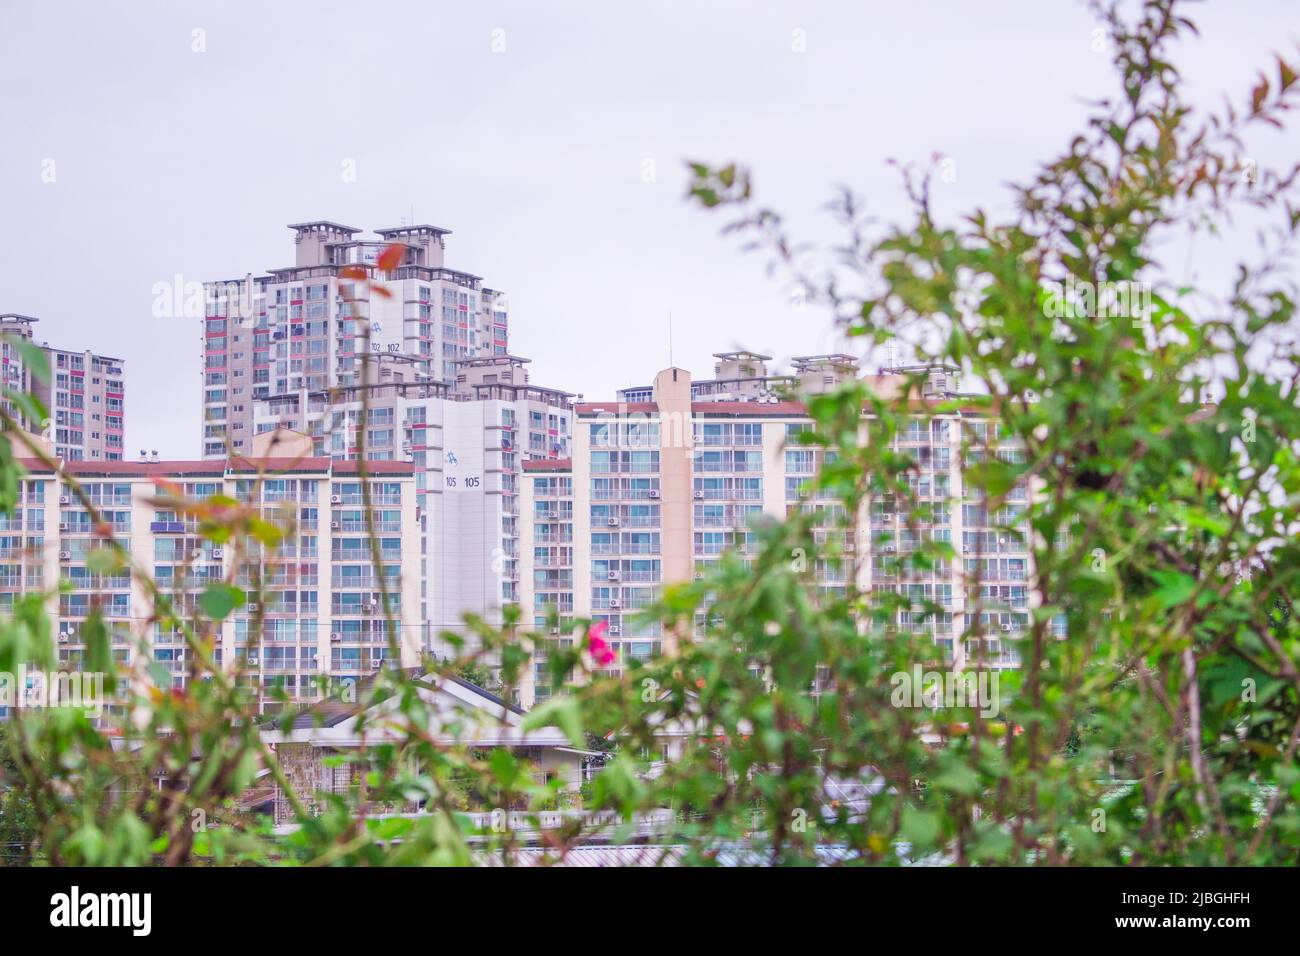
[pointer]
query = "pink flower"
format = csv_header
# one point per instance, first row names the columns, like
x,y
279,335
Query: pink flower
x,y
598,647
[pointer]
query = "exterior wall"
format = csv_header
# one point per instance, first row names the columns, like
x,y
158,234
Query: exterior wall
x,y
547,563
473,554
319,614
672,391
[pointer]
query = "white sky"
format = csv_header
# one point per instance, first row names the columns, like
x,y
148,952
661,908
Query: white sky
x,y
169,161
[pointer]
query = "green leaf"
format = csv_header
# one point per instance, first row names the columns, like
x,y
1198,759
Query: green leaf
x,y
563,712
958,778
31,409
33,356
104,561
1175,587
218,600
919,827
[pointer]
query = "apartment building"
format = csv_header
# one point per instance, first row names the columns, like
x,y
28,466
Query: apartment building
x,y
547,575
466,440
663,482
85,397
303,327
313,601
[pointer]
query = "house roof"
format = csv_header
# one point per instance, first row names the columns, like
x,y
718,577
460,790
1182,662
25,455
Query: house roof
x,y
485,718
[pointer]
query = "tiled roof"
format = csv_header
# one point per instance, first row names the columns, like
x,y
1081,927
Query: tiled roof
x,y
331,712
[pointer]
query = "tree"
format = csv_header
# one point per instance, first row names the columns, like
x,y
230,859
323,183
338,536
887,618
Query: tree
x,y
1156,715
19,833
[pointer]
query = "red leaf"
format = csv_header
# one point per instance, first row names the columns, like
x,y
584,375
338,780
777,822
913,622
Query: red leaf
x,y
391,257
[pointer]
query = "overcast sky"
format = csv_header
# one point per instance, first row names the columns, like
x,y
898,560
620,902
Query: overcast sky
x,y
528,130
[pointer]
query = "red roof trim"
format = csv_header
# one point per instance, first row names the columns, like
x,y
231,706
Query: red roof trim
x,y
553,464
219,467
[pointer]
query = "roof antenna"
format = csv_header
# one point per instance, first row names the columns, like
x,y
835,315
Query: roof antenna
x,y
670,339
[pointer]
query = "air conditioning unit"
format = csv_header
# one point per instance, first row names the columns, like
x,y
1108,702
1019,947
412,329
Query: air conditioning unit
x,y
890,549
180,654
336,499
654,492
615,629
699,575
555,630
64,637
217,554
698,496
335,636
252,607
613,522
614,603
334,526
376,663
613,575
65,499
252,660
63,526
1006,628
65,555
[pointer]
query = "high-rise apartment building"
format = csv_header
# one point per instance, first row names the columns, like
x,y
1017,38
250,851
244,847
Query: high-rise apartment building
x,y
467,441
664,481
295,330
314,600
85,396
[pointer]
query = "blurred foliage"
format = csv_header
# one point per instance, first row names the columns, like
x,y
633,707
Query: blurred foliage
x,y
1162,460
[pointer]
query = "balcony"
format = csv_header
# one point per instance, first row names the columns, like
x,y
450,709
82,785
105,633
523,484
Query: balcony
x,y
362,554
358,526
634,548
378,498
555,538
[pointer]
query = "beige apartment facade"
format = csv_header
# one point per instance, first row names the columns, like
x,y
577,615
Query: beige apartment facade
x,y
314,604
658,489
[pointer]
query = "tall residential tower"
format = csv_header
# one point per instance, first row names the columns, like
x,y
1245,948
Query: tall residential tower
x,y
295,329
85,396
